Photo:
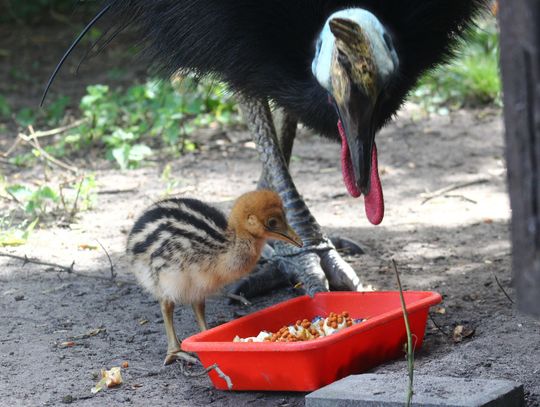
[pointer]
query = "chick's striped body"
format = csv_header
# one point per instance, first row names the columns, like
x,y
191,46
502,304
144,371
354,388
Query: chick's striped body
x,y
182,250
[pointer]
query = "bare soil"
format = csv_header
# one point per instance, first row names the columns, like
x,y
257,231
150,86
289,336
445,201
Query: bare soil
x,y
455,243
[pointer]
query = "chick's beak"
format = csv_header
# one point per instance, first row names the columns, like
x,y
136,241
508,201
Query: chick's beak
x,y
355,91
287,235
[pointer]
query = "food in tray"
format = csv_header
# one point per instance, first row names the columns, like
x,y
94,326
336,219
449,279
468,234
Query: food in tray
x,y
305,330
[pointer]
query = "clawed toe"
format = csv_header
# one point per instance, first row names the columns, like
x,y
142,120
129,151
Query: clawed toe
x,y
182,356
347,246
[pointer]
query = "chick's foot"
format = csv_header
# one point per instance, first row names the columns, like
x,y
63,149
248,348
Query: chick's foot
x,y
180,355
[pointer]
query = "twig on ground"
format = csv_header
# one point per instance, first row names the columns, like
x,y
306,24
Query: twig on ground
x,y
89,334
116,191
59,130
33,142
410,349
74,208
207,370
12,148
26,260
429,196
502,288
113,273
70,270
438,326
238,298
463,197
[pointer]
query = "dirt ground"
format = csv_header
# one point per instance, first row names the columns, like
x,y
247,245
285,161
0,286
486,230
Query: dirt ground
x,y
453,242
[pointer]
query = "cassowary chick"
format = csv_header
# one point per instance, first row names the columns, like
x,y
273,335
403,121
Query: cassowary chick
x,y
183,250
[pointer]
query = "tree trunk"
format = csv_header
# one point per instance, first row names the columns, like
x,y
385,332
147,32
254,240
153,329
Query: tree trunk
x,y
520,64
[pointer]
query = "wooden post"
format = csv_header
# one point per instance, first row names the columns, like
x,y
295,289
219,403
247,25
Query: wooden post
x,y
520,65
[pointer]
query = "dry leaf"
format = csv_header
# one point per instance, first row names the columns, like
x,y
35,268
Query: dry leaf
x,y
462,332
440,310
89,334
143,321
125,364
67,344
85,246
109,378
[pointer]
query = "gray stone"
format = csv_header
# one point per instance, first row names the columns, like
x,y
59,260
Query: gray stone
x,y
389,390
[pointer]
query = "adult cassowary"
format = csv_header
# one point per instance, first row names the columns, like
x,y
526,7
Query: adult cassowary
x,y
342,68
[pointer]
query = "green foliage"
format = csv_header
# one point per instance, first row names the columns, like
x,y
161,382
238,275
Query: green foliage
x,y
37,201
473,79
15,235
5,108
32,10
128,124
43,203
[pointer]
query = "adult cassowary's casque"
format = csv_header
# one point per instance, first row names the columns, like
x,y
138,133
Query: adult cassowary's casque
x,y
340,67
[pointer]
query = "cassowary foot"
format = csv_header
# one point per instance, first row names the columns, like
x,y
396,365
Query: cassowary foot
x,y
318,268
347,246
180,355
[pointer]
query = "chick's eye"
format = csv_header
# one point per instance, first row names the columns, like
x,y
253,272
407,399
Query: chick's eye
x,y
272,223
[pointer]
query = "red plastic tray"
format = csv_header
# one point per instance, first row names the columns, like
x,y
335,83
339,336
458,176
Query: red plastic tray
x,y
307,366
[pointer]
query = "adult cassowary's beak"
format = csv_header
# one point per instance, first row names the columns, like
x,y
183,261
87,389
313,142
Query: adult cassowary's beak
x,y
355,89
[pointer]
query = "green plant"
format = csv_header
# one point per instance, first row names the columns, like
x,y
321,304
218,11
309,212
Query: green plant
x,y
30,11
35,202
42,204
169,180
472,79
157,114
15,235
5,109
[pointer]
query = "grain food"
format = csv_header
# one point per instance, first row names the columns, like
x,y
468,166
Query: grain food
x,y
305,330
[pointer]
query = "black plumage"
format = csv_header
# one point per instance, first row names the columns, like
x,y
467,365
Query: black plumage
x,y
264,48
265,51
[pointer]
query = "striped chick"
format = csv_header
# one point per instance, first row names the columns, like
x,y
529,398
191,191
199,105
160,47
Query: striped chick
x,y
183,250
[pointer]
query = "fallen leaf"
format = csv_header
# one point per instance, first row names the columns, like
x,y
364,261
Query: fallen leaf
x,y
143,321
125,364
85,246
89,334
462,332
67,344
136,386
440,310
109,378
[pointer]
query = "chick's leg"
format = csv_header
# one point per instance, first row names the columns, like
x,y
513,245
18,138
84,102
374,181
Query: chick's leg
x,y
198,309
317,265
173,344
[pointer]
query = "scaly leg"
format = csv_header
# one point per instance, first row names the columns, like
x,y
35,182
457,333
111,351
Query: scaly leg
x,y
317,265
173,344
198,309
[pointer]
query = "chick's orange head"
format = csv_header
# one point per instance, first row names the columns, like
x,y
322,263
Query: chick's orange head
x,y
261,215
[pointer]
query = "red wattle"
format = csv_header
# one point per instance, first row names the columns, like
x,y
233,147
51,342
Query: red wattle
x,y
346,165
374,201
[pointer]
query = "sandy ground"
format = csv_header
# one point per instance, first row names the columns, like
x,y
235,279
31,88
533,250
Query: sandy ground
x,y
455,243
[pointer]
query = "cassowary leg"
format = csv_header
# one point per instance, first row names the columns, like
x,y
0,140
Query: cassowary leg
x,y
317,265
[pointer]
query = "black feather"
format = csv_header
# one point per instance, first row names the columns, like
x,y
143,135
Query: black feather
x,y
70,50
264,48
